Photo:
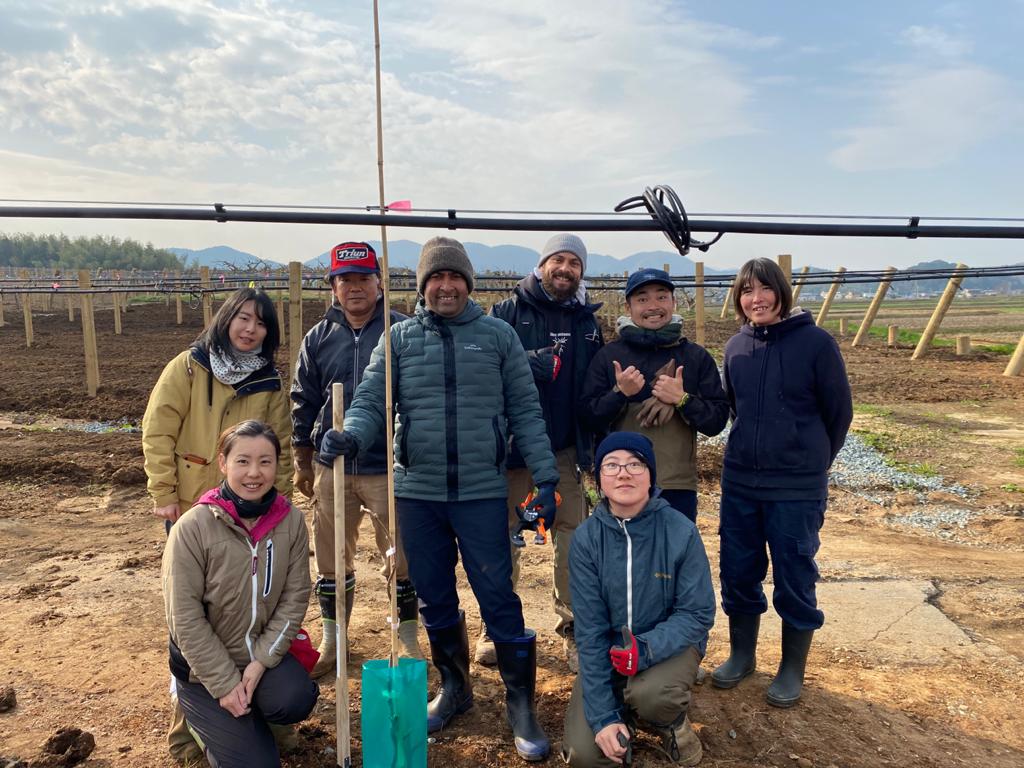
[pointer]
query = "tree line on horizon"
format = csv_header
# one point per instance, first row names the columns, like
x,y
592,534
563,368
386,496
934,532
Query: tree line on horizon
x,y
65,253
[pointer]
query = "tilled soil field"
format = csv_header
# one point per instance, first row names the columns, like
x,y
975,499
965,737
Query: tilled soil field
x,y
83,640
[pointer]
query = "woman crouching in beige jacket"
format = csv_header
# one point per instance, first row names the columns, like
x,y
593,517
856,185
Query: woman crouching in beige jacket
x,y
236,586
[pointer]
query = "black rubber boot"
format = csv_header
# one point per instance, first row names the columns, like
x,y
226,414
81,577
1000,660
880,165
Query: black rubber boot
x,y
517,663
742,659
785,689
449,648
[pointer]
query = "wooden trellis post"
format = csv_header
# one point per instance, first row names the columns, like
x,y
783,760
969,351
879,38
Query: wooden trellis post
x,y
940,312
2,321
294,314
115,302
177,296
70,299
894,336
800,284
26,309
92,358
823,312
699,300
963,344
204,281
280,316
786,264
876,303
726,303
1016,364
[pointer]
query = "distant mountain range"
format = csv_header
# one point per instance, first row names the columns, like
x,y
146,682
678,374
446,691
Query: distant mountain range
x,y
515,259
512,259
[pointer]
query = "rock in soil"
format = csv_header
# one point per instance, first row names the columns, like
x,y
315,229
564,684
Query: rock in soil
x,y
7,699
68,746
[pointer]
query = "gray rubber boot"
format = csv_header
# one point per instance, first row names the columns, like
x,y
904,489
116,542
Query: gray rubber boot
x,y
449,648
742,659
328,650
784,691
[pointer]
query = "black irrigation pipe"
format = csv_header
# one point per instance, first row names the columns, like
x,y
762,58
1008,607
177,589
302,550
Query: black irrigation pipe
x,y
220,213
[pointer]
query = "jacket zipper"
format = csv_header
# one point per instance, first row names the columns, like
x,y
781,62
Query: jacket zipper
x,y
760,404
355,380
629,575
254,578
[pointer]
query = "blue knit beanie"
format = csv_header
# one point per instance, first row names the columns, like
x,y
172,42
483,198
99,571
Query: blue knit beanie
x,y
635,443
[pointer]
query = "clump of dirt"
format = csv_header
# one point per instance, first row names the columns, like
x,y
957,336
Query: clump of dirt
x,y
67,747
8,699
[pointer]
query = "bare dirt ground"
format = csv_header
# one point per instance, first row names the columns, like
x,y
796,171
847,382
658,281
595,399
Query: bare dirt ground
x,y
83,640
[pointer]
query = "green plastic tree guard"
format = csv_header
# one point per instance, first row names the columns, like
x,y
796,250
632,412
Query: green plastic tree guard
x,y
394,716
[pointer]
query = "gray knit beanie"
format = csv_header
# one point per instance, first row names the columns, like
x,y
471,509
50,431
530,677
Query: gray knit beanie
x,y
564,242
443,253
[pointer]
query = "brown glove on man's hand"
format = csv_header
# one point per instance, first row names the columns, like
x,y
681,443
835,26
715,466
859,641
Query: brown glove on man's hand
x,y
653,412
302,462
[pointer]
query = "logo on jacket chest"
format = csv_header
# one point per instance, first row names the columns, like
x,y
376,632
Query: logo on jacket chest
x,y
473,348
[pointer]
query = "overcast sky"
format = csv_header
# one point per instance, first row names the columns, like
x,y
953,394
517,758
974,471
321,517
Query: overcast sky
x,y
881,108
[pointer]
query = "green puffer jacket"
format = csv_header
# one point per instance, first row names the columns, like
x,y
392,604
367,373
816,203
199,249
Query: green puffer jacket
x,y
460,386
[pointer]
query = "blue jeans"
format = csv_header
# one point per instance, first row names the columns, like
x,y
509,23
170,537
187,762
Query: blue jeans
x,y
434,534
790,531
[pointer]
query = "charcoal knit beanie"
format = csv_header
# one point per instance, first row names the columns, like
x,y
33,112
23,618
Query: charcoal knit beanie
x,y
440,254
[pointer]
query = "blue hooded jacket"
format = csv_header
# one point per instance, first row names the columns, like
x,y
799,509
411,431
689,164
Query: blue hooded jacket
x,y
649,572
791,409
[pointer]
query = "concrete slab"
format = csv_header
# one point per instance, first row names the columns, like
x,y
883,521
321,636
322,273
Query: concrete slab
x,y
892,620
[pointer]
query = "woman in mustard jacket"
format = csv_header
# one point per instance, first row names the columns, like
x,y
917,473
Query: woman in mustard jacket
x,y
225,377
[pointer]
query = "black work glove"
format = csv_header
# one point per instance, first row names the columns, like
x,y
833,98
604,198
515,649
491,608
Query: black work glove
x,y
544,364
543,506
336,444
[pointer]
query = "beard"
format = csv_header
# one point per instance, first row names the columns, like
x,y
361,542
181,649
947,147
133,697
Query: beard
x,y
560,294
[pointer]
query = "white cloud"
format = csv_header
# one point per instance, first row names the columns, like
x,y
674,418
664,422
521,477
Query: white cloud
x,y
929,119
937,41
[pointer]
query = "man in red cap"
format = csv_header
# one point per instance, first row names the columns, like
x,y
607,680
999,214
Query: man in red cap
x,y
338,349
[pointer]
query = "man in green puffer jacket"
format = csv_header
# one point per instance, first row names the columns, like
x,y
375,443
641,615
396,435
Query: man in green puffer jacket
x,y
462,385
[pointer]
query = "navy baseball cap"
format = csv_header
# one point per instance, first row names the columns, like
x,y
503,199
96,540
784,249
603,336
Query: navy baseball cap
x,y
353,257
643,277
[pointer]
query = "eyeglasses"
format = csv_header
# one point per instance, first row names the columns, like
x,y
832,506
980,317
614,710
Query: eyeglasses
x,y
611,468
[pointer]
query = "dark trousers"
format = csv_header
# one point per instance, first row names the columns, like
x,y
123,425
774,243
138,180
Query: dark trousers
x,y
434,534
682,501
653,700
285,695
790,531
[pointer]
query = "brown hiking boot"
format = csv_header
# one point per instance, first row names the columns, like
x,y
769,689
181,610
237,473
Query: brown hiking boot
x,y
681,744
572,654
485,653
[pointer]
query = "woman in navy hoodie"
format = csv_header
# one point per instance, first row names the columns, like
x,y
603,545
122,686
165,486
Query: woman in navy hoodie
x,y
791,408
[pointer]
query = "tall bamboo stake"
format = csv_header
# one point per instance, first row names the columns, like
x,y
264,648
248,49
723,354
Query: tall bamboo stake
x,y
388,404
699,300
341,619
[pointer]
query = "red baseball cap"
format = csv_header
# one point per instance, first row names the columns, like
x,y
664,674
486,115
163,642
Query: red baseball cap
x,y
353,257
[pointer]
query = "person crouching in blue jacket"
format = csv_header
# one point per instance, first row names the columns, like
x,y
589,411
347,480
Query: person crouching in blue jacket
x,y
791,409
644,604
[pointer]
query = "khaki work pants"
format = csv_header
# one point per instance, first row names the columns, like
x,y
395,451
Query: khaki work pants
x,y
652,700
363,493
570,514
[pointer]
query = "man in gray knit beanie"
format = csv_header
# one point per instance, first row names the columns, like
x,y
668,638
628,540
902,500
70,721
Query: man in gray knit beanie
x,y
443,254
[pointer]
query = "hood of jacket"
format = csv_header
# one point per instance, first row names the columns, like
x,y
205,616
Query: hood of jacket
x,y
266,522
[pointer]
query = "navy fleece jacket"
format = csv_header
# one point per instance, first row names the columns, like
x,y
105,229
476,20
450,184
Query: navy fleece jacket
x,y
791,408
